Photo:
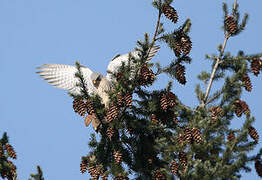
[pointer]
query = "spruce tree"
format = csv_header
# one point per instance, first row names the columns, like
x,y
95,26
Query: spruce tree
x,y
148,133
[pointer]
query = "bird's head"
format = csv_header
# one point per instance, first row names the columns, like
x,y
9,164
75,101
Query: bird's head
x,y
96,78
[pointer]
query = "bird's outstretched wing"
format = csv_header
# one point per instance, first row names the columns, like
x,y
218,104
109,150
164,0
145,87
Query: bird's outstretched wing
x,y
117,61
63,76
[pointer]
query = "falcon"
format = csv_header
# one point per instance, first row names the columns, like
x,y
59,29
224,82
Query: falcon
x,y
63,76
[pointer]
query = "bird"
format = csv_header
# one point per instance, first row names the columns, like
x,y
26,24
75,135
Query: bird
x,y
63,76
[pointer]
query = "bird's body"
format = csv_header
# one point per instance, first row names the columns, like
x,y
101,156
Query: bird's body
x,y
63,76
104,86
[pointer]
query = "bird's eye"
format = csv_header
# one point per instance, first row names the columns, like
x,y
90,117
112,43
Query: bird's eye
x,y
94,81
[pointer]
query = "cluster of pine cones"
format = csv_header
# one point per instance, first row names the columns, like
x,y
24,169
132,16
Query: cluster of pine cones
x,y
81,107
8,171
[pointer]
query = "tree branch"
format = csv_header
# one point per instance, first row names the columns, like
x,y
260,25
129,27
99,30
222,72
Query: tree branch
x,y
157,27
214,70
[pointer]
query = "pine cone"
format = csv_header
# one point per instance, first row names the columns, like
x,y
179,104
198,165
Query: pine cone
x,y
110,132
182,157
154,119
256,66
83,166
187,135
241,107
230,25
10,150
79,107
128,100
120,99
146,76
170,13
231,137
112,113
180,138
247,83
171,97
94,172
245,107
158,175
186,44
117,157
174,167
215,112
164,102
178,48
196,135
258,167
90,107
12,168
253,133
180,74
167,100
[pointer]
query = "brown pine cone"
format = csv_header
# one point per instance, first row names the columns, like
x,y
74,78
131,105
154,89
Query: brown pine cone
x,y
230,25
12,168
164,102
196,135
216,111
128,100
146,76
171,99
180,74
170,13
90,107
241,107
231,137
154,119
253,133
110,132
182,157
186,44
112,113
174,167
258,167
180,138
187,135
256,65
118,157
247,82
79,107
10,150
158,175
83,166
120,99
178,48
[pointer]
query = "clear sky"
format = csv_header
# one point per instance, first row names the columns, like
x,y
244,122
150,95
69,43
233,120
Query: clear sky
x,y
39,118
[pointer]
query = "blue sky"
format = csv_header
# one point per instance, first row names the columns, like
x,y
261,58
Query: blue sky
x,y
39,118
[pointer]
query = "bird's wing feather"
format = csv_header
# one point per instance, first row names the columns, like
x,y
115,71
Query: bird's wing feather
x,y
63,76
116,63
